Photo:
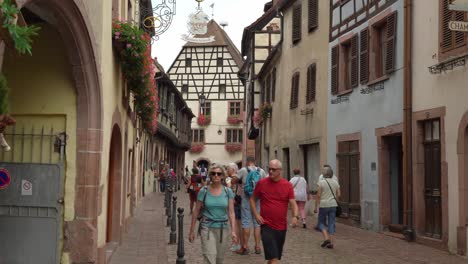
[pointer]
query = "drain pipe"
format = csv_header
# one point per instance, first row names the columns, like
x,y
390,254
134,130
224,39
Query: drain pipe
x,y
407,120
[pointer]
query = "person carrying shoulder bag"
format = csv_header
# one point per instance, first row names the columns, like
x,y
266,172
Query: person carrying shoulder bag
x,y
214,209
327,194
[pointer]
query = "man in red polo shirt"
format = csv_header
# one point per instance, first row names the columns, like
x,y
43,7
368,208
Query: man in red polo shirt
x,y
274,193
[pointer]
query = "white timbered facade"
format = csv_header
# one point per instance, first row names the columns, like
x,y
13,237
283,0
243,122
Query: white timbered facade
x,y
209,71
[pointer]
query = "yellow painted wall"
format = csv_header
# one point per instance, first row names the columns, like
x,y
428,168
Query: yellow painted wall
x,y
43,94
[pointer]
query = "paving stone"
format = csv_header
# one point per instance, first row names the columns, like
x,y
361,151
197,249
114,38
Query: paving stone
x,y
148,237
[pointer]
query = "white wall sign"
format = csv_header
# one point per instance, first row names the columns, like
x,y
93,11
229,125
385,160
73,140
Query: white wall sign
x,y
458,26
26,187
459,5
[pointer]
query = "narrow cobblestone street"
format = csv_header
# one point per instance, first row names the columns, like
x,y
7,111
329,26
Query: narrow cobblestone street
x,y
147,242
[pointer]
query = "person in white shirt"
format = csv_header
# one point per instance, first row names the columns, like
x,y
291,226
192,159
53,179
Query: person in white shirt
x,y
300,193
327,168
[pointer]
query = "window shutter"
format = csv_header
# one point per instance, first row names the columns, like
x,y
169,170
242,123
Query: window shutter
x,y
296,32
273,85
354,62
459,36
296,91
313,14
364,56
335,56
391,43
311,83
450,39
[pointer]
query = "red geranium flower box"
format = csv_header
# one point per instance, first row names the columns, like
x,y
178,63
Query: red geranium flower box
x,y
206,120
197,148
234,120
233,147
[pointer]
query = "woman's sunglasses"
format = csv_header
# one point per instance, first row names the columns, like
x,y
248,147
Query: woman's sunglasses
x,y
213,173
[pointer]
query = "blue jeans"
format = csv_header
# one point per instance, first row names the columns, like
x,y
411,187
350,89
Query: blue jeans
x,y
162,186
329,212
247,217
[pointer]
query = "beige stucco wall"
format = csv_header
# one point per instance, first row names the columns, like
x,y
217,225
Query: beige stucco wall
x,y
288,128
447,89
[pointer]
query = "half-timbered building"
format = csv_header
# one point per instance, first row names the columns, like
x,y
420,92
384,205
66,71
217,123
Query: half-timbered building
x,y
206,76
365,110
258,41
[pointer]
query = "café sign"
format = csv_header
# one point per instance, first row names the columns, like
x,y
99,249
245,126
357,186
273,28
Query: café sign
x,y
458,26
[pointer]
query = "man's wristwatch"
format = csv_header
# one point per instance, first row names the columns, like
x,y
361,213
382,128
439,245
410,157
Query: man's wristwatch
x,y
296,216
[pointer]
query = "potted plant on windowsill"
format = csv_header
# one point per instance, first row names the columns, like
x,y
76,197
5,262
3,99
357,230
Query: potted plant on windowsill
x,y
265,111
233,147
234,120
203,120
197,148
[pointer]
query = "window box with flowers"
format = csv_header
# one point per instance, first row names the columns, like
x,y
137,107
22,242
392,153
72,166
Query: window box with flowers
x,y
265,111
204,120
234,120
197,148
133,47
233,147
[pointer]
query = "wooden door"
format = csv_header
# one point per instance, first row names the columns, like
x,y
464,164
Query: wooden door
x,y
432,180
348,176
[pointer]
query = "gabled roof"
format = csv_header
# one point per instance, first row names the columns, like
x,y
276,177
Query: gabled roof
x,y
221,39
260,23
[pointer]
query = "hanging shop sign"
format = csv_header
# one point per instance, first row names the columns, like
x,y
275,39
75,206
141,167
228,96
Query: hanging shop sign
x,y
197,24
458,26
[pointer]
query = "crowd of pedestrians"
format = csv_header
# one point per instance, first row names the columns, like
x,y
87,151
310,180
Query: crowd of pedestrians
x,y
229,203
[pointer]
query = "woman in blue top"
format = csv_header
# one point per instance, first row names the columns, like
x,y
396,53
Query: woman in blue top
x,y
216,205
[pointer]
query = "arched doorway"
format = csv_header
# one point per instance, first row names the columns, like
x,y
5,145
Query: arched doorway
x,y
114,191
203,163
82,197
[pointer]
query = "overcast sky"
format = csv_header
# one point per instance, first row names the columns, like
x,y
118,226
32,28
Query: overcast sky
x,y
237,13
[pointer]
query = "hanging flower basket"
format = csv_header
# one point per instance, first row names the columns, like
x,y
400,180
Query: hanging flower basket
x,y
203,120
265,111
133,46
197,148
233,147
234,120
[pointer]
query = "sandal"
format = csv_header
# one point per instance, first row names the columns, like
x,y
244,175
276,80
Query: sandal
x,y
330,246
258,250
243,251
325,243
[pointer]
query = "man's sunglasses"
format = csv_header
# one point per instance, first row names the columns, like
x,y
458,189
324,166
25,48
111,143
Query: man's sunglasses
x,y
213,173
274,169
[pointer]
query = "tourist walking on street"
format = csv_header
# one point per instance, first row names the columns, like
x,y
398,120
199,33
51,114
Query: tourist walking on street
x,y
325,168
248,219
327,193
235,187
274,193
194,187
300,192
162,180
216,205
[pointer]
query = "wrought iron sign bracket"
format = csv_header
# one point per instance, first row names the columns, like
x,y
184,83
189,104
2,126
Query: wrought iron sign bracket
x,y
158,19
340,99
373,87
448,65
